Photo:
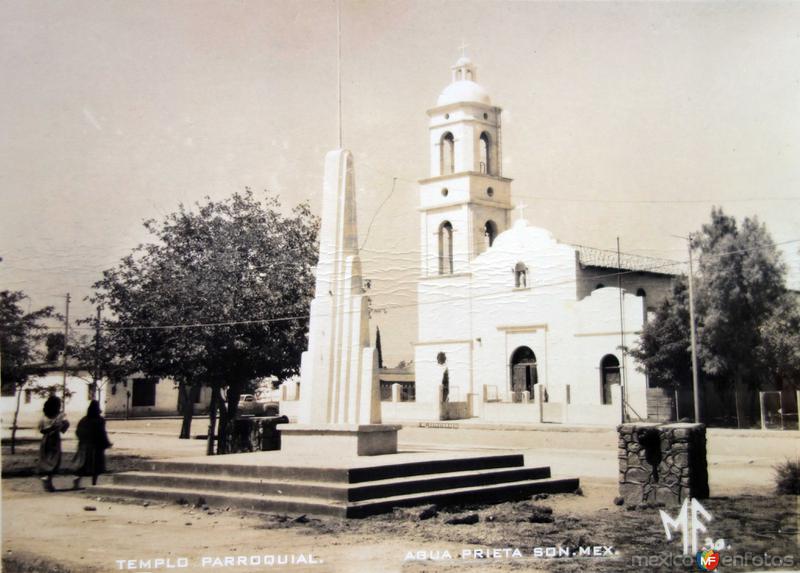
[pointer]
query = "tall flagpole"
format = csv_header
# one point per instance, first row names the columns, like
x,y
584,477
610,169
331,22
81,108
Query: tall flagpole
x,y
339,66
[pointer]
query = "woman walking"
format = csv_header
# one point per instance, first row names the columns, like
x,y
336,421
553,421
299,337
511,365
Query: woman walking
x,y
90,459
51,426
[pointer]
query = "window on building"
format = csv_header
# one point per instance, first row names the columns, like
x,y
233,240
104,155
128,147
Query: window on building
x,y
144,392
520,275
485,151
609,375
523,373
640,292
448,155
490,232
113,389
446,248
28,396
599,286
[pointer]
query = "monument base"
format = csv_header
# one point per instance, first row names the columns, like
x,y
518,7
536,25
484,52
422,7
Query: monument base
x,y
343,439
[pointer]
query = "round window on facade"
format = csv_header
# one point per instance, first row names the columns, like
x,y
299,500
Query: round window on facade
x,y
445,192
485,116
447,116
490,192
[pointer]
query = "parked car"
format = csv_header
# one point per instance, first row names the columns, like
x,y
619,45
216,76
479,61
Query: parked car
x,y
249,405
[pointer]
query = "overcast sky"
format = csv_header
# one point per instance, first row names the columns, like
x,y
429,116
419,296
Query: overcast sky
x,y
620,119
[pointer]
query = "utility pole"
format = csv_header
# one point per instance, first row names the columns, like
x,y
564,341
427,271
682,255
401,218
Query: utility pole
x,y
621,335
96,377
693,335
64,357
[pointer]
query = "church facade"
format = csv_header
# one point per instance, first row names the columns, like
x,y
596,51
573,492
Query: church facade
x,y
514,326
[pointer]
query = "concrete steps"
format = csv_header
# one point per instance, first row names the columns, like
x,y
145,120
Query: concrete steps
x,y
337,491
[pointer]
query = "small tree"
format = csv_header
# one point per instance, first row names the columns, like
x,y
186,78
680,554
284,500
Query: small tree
x,y
664,351
378,347
21,335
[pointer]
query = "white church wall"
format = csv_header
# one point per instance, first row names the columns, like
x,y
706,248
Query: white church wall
x,y
429,373
443,306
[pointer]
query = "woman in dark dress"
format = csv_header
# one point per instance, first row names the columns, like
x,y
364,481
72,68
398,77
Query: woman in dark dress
x,y
51,426
90,459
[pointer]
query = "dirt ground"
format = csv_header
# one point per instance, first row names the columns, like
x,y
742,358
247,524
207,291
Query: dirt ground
x,y
68,531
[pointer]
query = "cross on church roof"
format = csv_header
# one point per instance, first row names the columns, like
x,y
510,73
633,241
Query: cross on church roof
x,y
463,47
521,208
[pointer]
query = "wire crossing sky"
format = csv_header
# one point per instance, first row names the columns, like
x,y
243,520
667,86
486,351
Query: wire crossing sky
x,y
625,120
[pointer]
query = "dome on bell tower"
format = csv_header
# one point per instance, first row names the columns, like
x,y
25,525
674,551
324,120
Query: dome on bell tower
x,y
464,88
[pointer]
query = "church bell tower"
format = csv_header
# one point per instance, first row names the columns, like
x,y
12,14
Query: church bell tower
x,y
465,202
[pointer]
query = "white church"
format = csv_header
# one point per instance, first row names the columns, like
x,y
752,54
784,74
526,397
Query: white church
x,y
514,327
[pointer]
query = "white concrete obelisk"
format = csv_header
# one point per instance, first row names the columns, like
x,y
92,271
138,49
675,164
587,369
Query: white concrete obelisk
x,y
339,393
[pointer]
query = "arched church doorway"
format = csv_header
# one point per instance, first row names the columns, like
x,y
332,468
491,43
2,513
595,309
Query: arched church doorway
x,y
523,372
609,374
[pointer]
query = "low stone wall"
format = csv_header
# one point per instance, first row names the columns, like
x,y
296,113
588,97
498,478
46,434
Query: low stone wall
x,y
662,463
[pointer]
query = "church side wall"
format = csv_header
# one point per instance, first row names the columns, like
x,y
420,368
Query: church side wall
x,y
658,288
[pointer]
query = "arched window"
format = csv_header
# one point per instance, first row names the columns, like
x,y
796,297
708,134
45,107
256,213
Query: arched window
x,y
448,155
520,275
523,372
485,153
609,375
641,292
490,232
446,248
599,286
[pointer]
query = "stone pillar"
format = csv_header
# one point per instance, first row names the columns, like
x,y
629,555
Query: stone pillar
x,y
526,397
662,463
396,393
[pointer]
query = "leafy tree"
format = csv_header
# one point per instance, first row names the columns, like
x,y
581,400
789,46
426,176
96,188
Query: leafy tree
x,y
780,343
741,283
55,345
218,299
743,311
21,335
664,351
90,354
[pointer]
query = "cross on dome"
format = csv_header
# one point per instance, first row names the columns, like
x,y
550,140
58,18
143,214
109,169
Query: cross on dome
x,y
521,208
463,47
464,68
